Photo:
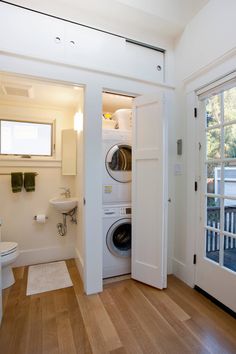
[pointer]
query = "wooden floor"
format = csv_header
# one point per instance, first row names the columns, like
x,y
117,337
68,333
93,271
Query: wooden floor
x,y
127,318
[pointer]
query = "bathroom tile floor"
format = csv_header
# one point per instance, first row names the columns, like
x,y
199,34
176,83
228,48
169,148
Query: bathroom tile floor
x,y
126,318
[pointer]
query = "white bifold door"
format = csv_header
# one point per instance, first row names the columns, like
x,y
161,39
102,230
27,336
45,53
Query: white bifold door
x,y
149,192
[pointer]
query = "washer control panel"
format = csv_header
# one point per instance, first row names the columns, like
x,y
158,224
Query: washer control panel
x,y
125,211
117,211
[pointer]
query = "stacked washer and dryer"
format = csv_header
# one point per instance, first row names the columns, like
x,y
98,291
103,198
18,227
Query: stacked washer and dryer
x,y
117,172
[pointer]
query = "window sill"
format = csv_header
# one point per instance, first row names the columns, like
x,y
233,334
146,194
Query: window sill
x,y
16,161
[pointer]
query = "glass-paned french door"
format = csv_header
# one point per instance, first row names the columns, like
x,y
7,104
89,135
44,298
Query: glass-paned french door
x,y
220,178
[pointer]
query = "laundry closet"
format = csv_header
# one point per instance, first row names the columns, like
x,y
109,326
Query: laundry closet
x,y
116,184
137,72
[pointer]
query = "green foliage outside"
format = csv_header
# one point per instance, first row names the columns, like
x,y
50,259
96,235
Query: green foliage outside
x,y
213,117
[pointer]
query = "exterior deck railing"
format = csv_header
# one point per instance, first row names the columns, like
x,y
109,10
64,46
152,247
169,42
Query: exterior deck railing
x,y
213,220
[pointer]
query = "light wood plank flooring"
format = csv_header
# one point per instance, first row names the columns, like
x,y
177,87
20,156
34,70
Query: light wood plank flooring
x,y
127,318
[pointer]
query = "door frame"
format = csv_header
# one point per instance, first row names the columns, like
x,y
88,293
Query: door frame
x,y
186,270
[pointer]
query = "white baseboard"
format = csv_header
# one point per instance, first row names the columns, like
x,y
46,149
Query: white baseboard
x,y
43,255
183,271
80,263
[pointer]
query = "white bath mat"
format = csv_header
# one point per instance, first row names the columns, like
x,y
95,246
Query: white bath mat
x,y
47,277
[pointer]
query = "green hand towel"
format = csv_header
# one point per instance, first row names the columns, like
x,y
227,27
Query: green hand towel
x,y
29,181
16,181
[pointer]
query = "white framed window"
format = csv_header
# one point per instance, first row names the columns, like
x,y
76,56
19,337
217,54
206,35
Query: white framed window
x,y
26,138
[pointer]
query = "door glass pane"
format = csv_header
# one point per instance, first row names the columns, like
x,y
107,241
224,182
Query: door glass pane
x,y
213,178
230,179
122,237
230,141
230,215
121,159
230,253
230,104
213,144
213,109
213,212
212,245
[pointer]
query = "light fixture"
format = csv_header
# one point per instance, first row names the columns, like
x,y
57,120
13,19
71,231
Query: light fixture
x,y
78,121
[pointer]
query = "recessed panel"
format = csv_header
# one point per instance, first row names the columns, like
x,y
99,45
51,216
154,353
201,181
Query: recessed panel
x,y
145,119
148,214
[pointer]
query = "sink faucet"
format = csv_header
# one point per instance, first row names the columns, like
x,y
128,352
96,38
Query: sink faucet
x,y
66,192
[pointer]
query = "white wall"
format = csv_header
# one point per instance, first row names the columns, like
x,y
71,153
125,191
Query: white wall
x,y
207,37
205,51
37,242
79,190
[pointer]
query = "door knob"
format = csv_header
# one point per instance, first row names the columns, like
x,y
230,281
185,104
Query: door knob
x,y
57,40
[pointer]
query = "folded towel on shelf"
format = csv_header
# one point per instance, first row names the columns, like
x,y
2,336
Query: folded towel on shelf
x,y
16,181
29,181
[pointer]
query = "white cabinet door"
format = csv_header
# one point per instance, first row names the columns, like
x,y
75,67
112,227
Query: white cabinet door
x,y
144,63
30,34
39,36
149,183
88,48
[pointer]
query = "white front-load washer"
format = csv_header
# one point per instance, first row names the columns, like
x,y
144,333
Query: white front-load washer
x,y
117,166
116,240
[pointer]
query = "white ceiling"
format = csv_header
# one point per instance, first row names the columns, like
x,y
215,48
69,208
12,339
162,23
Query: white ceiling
x,y
145,20
19,90
178,12
111,102
14,89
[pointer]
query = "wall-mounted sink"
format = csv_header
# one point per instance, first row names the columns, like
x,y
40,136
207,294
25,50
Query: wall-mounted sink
x,y
64,205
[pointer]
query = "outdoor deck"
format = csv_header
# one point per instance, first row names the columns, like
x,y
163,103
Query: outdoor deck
x,y
229,258
213,237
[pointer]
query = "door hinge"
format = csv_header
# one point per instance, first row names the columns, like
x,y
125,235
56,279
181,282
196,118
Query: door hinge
x,y
199,146
195,186
195,112
84,201
194,259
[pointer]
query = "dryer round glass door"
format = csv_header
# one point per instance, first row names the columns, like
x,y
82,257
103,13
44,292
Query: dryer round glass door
x,y
119,238
119,163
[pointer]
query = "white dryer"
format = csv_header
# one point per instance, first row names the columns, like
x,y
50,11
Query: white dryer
x,y
117,166
116,240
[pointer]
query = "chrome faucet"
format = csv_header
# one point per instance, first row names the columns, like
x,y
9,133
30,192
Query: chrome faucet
x,y
66,192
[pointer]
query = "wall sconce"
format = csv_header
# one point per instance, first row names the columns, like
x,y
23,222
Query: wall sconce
x,y
78,121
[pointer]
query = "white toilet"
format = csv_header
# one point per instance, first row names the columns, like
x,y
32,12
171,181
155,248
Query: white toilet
x,y
9,252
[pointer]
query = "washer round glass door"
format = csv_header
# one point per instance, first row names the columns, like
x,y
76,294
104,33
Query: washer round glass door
x,y
119,238
119,163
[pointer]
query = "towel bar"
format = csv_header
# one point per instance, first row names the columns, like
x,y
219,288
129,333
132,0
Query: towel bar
x,y
8,174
